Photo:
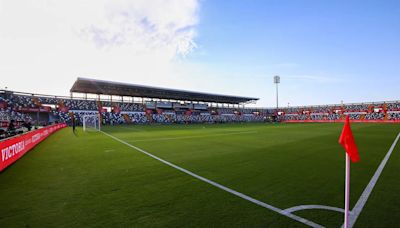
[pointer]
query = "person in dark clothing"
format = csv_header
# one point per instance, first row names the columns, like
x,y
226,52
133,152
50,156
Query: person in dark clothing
x,y
28,125
73,124
11,128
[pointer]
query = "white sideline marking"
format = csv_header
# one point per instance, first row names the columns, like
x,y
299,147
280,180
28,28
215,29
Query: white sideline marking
x,y
367,191
196,136
241,195
309,207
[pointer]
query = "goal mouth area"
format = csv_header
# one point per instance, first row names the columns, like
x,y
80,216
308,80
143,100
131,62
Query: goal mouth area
x,y
91,122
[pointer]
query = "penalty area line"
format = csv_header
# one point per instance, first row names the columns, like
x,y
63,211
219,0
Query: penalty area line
x,y
215,184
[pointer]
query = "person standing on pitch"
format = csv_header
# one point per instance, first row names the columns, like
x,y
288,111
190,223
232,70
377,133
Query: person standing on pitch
x,y
73,124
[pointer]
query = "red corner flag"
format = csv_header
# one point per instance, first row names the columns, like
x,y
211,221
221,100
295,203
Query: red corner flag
x,y
348,143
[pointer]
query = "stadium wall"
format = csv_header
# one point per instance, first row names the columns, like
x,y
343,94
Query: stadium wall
x,y
14,148
341,121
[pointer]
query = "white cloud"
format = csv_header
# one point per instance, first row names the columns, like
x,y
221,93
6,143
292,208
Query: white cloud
x,y
46,44
148,25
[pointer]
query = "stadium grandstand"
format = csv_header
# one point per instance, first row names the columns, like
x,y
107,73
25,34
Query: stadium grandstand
x,y
197,122
219,132
122,103
152,113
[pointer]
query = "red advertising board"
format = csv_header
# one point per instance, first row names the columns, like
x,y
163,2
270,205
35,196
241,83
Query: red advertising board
x,y
14,148
341,121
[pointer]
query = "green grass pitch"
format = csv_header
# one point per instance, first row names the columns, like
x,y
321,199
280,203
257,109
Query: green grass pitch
x,y
92,180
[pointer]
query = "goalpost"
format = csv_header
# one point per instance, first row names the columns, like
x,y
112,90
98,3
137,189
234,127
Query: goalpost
x,y
91,122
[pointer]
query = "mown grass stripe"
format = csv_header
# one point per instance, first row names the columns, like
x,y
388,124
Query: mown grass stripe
x,y
236,193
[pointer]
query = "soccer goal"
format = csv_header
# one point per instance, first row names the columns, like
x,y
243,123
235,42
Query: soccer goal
x,y
91,122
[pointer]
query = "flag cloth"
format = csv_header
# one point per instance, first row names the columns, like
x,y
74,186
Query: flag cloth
x,y
348,143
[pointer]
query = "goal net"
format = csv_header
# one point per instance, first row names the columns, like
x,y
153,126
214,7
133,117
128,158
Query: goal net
x,y
91,122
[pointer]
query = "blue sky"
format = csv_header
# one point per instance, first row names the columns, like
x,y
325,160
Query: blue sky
x,y
324,51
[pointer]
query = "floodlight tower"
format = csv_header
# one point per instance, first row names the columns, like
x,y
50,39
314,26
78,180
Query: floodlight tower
x,y
277,80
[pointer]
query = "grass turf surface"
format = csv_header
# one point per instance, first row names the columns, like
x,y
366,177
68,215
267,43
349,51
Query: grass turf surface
x,y
89,179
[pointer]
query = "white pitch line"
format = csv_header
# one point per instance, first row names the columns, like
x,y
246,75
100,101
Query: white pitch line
x,y
236,193
367,191
311,207
195,136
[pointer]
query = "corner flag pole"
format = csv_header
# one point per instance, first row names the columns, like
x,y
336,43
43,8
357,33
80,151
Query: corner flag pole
x,y
347,193
347,141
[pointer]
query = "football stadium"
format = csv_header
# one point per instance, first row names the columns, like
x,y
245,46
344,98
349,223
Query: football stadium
x,y
183,158
154,141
